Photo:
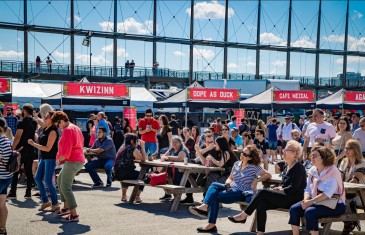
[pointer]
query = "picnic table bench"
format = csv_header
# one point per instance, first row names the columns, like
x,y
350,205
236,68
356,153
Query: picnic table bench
x,y
176,190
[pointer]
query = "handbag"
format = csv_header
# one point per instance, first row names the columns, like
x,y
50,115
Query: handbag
x,y
330,203
159,178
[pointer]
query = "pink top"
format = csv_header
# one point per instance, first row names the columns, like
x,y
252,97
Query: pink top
x,y
71,144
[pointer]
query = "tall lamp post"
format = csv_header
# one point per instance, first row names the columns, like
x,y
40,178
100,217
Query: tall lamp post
x,y
87,42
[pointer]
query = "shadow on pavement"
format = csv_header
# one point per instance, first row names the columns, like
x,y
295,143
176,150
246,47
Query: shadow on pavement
x,y
29,203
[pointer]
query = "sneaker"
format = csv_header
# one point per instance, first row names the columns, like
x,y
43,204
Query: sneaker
x,y
166,197
63,212
71,218
98,185
28,195
187,200
11,195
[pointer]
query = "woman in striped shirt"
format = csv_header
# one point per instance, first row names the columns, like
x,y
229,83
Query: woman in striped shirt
x,y
242,181
5,176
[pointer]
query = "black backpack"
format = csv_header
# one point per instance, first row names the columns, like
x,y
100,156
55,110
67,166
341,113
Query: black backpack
x,y
13,163
123,165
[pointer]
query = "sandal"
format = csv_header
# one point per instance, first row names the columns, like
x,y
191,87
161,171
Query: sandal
x,y
62,212
124,198
55,207
138,199
44,206
71,218
348,227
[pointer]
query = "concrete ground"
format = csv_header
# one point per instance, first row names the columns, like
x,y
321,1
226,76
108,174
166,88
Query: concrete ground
x,y
102,212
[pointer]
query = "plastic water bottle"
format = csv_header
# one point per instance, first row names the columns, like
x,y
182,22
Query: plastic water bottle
x,y
327,142
185,160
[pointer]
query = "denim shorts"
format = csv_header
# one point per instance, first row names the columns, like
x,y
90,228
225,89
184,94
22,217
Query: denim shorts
x,y
273,145
4,185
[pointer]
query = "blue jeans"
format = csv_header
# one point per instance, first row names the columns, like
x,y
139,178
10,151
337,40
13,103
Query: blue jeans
x,y
46,168
150,148
217,194
4,185
107,164
313,213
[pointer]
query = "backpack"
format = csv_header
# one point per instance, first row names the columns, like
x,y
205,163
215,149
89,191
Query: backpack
x,y
13,163
243,128
123,165
118,128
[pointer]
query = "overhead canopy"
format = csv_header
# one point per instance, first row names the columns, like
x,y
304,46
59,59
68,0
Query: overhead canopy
x,y
338,101
179,100
265,100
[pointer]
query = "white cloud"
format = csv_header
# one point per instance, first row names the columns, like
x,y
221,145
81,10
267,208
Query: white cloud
x,y
355,44
363,72
304,42
232,66
351,60
130,25
203,53
179,53
77,18
210,10
10,54
120,51
334,38
61,55
251,64
270,38
279,63
358,14
95,59
1,47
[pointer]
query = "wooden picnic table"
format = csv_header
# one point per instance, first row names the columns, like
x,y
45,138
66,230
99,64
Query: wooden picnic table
x,y
177,191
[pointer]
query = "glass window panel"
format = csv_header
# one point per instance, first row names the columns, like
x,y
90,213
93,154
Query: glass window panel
x,y
241,61
356,26
11,45
49,13
272,64
173,56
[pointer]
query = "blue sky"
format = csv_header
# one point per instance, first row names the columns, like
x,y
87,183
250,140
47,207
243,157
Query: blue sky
x,y
173,20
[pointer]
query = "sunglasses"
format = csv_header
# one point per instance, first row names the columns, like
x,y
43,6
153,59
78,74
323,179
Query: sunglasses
x,y
348,148
225,129
245,154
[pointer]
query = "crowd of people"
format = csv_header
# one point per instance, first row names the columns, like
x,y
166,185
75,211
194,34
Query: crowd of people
x,y
314,157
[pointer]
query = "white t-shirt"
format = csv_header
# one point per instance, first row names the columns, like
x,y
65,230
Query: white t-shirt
x,y
359,135
322,131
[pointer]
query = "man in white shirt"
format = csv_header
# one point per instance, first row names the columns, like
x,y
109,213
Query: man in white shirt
x,y
317,132
359,135
284,130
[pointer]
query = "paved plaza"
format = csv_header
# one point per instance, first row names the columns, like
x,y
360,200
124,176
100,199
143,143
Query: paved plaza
x,y
102,212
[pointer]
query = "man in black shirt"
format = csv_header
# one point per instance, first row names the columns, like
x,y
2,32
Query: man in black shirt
x,y
174,125
25,130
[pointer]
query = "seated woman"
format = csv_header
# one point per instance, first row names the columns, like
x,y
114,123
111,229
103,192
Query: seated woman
x,y
289,192
175,154
353,170
243,178
133,150
324,182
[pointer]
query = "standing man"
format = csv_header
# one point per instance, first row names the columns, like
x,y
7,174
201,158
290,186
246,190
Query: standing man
x,y
272,127
148,127
309,119
49,65
25,130
284,131
131,68
11,119
355,122
105,149
174,125
318,132
102,123
359,135
232,124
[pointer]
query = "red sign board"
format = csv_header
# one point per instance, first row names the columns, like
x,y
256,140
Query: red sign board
x,y
213,94
294,96
239,113
354,96
95,89
5,85
130,113
14,106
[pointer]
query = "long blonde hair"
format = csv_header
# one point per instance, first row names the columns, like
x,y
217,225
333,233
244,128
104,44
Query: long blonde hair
x,y
354,145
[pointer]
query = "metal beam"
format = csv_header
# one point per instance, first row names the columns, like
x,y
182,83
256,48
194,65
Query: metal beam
x,y
318,45
344,73
115,41
191,49
257,75
25,23
154,49
225,55
72,38
287,75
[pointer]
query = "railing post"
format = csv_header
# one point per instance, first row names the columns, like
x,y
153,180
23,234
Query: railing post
x,y
68,69
1,65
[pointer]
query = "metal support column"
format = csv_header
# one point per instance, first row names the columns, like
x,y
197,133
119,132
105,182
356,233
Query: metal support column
x,y
25,22
115,42
257,75
154,31
191,51
287,75
345,46
225,56
318,44
72,38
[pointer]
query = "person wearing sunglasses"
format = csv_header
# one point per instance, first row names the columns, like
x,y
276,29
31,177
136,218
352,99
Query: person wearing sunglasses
x,y
353,170
148,127
289,192
242,181
225,134
359,135
247,140
324,182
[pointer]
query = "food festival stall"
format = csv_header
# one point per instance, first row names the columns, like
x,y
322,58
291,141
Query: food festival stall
x,y
343,99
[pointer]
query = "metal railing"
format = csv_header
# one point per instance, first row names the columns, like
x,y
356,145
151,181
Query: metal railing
x,y
107,71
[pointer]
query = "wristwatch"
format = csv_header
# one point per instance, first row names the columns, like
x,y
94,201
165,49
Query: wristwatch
x,y
314,201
